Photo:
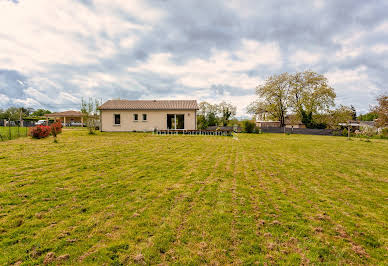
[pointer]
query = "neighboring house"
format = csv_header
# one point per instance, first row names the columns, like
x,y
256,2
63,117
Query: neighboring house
x,y
263,120
358,124
148,115
67,118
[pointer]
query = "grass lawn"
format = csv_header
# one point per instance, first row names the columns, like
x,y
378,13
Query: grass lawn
x,y
7,133
141,198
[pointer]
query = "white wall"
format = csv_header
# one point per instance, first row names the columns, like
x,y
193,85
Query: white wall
x,y
155,119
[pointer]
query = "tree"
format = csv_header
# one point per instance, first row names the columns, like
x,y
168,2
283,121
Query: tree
x,y
368,116
354,112
274,97
341,114
382,111
227,111
310,94
307,94
90,113
12,114
40,112
207,115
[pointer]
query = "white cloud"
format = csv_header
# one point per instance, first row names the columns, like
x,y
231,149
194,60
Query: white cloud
x,y
38,33
302,57
222,67
379,48
353,86
4,99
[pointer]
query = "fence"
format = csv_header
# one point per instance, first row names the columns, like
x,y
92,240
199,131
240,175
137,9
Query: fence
x,y
304,131
12,132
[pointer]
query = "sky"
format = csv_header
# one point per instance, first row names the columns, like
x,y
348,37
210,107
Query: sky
x,y
54,53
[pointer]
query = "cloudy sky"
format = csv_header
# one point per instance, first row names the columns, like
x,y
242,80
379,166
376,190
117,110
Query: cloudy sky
x,y
53,53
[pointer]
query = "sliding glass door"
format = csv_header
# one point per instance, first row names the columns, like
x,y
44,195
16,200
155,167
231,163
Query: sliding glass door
x,y
175,121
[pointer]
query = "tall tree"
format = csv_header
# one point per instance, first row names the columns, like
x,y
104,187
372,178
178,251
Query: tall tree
x,y
274,96
227,111
342,114
382,111
310,94
207,115
354,112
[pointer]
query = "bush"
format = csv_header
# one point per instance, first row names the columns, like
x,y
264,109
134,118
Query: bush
x,y
257,130
39,132
248,126
368,131
56,128
384,132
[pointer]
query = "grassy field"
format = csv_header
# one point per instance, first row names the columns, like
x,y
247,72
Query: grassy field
x,y
7,133
124,198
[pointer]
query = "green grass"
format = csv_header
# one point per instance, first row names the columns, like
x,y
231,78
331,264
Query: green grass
x,y
8,133
122,198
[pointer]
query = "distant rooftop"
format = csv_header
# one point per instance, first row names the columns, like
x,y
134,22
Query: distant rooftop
x,y
71,113
149,105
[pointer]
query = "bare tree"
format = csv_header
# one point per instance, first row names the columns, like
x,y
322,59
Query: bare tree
x,y
90,113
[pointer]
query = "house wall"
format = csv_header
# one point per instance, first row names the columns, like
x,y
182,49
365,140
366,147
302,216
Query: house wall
x,y
267,124
68,119
155,119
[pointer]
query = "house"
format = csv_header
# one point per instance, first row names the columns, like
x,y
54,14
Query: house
x,y
67,118
263,120
148,115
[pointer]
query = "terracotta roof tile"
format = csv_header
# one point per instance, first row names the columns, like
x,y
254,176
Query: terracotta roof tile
x,y
149,105
65,113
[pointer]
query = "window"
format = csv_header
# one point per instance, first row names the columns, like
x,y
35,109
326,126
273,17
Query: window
x,y
135,117
117,119
144,117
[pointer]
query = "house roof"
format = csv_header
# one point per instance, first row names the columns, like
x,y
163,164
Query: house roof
x,y
70,113
149,105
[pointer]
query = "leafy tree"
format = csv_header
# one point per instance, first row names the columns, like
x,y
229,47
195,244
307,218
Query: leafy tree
x,y
40,112
205,109
12,114
274,97
341,114
310,94
368,116
248,126
207,115
202,122
305,93
382,111
227,110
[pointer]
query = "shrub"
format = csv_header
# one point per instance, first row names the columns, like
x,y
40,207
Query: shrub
x,y
248,126
39,132
345,132
257,130
384,132
368,131
56,128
